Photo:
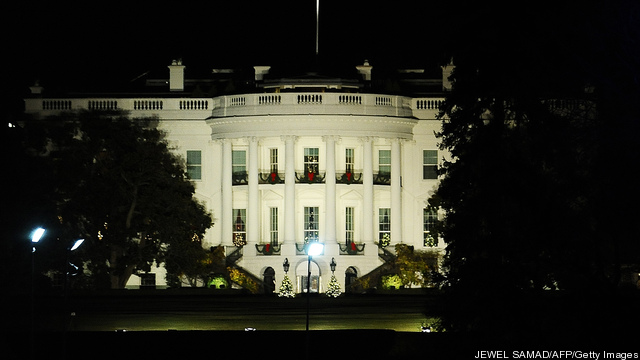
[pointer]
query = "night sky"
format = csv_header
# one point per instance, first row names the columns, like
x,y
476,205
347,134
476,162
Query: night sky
x,y
75,46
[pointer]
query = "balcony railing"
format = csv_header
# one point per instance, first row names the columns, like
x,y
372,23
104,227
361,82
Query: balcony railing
x,y
311,103
349,178
268,249
352,249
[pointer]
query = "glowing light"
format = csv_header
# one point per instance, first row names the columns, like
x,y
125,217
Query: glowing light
x,y
76,244
37,235
315,248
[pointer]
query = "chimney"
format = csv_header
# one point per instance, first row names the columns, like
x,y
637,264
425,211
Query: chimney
x,y
36,89
261,71
176,76
446,73
365,70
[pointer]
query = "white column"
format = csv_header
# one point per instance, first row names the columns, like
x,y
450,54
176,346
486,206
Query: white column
x,y
253,217
289,189
367,190
226,217
330,190
396,199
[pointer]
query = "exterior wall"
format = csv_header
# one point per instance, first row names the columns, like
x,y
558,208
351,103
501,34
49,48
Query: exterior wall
x,y
331,122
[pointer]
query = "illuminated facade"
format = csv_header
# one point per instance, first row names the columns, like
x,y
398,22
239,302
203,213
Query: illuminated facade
x,y
295,161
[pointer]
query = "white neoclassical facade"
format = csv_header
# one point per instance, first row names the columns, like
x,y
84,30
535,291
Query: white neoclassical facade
x,y
298,161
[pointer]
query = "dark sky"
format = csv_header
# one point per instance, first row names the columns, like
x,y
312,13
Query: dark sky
x,y
66,44
52,41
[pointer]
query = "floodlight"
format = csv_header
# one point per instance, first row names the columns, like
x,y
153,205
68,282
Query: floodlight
x,y
76,244
315,248
37,235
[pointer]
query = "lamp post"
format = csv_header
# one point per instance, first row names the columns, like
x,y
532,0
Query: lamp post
x,y
285,265
313,249
36,235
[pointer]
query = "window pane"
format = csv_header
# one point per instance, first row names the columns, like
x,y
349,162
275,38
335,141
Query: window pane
x,y
384,161
194,164
273,160
311,160
311,224
348,225
348,155
239,161
273,225
430,164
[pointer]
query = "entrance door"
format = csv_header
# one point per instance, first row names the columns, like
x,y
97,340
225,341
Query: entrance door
x,y
269,279
350,277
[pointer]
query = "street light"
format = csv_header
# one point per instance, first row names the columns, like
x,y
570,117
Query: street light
x,y
36,235
313,249
285,265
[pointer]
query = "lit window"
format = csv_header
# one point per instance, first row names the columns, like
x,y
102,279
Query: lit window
x,y
239,227
310,224
273,160
311,160
384,226
348,158
430,164
430,236
348,225
273,227
194,164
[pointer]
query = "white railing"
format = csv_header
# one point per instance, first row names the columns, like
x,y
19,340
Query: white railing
x,y
250,105
146,106
311,103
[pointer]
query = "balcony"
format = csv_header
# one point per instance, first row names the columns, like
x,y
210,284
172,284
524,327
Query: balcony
x,y
268,249
349,178
352,249
311,103
310,178
270,178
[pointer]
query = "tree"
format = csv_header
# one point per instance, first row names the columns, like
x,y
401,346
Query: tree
x,y
118,185
525,194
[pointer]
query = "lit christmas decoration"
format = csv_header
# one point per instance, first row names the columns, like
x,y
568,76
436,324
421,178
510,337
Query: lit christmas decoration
x,y
333,290
286,289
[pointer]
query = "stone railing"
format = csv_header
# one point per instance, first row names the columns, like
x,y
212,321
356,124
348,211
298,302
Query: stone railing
x,y
249,105
162,107
311,103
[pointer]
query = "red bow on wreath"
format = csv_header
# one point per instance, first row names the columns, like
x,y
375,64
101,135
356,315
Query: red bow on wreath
x,y
353,246
267,247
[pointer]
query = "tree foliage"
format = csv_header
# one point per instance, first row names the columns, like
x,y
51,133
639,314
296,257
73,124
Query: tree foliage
x,y
533,191
118,185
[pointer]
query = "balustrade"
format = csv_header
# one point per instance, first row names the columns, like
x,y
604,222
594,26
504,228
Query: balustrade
x,y
102,105
148,105
56,104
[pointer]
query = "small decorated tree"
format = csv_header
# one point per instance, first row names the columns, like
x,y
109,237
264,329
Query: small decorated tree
x,y
333,290
286,289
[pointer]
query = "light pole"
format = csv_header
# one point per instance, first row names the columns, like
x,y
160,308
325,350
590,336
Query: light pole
x,y
36,235
313,249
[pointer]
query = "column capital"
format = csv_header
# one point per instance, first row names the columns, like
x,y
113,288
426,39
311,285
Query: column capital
x,y
286,138
327,138
365,139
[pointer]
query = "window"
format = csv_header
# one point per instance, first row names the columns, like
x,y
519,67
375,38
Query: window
x,y
348,159
384,226
273,225
194,164
429,222
273,160
239,227
348,225
384,161
239,161
311,160
430,164
310,224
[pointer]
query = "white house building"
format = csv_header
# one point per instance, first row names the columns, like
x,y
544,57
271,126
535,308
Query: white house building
x,y
298,160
